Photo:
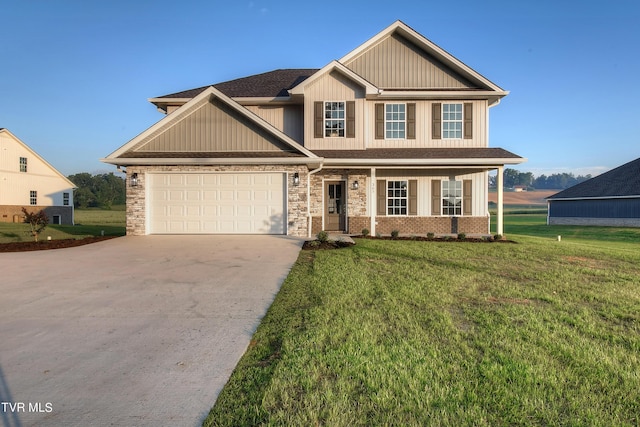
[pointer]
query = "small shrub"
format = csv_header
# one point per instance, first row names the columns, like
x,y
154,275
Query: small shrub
x,y
323,236
462,236
378,235
395,234
365,232
314,243
38,221
431,235
497,237
488,238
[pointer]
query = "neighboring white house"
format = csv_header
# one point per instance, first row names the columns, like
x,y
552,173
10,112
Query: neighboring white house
x,y
27,180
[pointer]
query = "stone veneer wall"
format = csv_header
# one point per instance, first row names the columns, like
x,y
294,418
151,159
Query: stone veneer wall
x,y
13,213
356,198
297,217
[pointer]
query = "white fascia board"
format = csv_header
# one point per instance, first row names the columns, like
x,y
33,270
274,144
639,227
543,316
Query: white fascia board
x,y
440,94
144,161
489,163
334,65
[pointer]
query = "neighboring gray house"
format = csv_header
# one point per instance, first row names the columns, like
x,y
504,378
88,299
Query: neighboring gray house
x,y
610,199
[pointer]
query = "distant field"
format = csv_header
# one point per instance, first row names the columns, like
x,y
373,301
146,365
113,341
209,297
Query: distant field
x,y
524,198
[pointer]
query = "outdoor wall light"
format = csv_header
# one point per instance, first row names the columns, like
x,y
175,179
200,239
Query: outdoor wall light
x,y
355,185
134,179
296,179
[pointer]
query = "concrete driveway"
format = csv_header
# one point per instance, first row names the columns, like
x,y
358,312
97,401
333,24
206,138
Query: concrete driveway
x,y
134,331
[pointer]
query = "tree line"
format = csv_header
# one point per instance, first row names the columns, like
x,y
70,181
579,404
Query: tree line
x,y
556,181
98,191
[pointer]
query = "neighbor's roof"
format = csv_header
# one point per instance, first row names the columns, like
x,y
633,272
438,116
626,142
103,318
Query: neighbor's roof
x,y
271,84
622,181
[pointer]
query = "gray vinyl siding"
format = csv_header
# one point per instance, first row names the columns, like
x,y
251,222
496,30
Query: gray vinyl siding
x,y
395,63
211,127
601,208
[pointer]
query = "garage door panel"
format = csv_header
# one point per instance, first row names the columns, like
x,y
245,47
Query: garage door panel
x,y
217,203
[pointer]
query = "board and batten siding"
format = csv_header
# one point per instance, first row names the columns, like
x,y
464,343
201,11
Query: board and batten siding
x,y
423,126
395,63
288,119
334,87
211,127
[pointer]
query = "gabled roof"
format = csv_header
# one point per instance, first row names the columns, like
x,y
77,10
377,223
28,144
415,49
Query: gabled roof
x,y
127,154
369,88
17,140
428,46
623,181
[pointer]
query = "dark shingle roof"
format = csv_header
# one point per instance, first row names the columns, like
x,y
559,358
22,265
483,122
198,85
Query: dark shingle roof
x,y
621,181
271,84
418,153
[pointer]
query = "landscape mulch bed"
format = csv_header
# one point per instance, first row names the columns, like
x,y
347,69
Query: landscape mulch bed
x,y
317,245
50,244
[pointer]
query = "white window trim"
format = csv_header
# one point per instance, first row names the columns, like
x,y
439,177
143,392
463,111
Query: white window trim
x,y
395,121
33,197
442,198
461,121
405,197
343,119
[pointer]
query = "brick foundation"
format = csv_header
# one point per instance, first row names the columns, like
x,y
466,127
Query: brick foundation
x,y
436,225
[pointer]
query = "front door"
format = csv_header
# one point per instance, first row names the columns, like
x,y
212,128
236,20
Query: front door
x,y
335,206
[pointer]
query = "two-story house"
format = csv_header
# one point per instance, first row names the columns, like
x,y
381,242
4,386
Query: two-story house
x,y
392,136
29,181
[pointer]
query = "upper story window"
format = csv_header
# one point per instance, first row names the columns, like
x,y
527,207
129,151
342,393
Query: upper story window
x,y
33,198
452,121
23,164
334,119
395,121
452,198
397,200
65,199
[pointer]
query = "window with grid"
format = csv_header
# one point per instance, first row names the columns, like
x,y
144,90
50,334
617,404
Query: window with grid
x,y
65,199
397,198
33,198
23,164
452,198
395,121
334,119
452,120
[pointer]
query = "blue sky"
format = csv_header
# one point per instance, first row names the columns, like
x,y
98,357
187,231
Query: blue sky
x,y
75,75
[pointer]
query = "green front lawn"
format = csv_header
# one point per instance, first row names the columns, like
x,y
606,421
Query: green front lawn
x,y
430,333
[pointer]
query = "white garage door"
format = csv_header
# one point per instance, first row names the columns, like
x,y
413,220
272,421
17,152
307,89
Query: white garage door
x,y
216,203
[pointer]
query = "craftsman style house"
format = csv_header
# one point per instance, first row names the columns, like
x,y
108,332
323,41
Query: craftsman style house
x,y
392,136
28,181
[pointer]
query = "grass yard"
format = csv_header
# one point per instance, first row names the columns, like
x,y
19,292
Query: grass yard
x,y
447,334
89,222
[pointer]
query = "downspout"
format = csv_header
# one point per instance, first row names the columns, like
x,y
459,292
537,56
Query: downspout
x,y
309,219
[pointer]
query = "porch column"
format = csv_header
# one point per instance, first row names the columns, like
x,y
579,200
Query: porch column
x,y
500,217
373,197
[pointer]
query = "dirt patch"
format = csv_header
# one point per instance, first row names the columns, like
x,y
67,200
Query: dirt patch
x,y
50,244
